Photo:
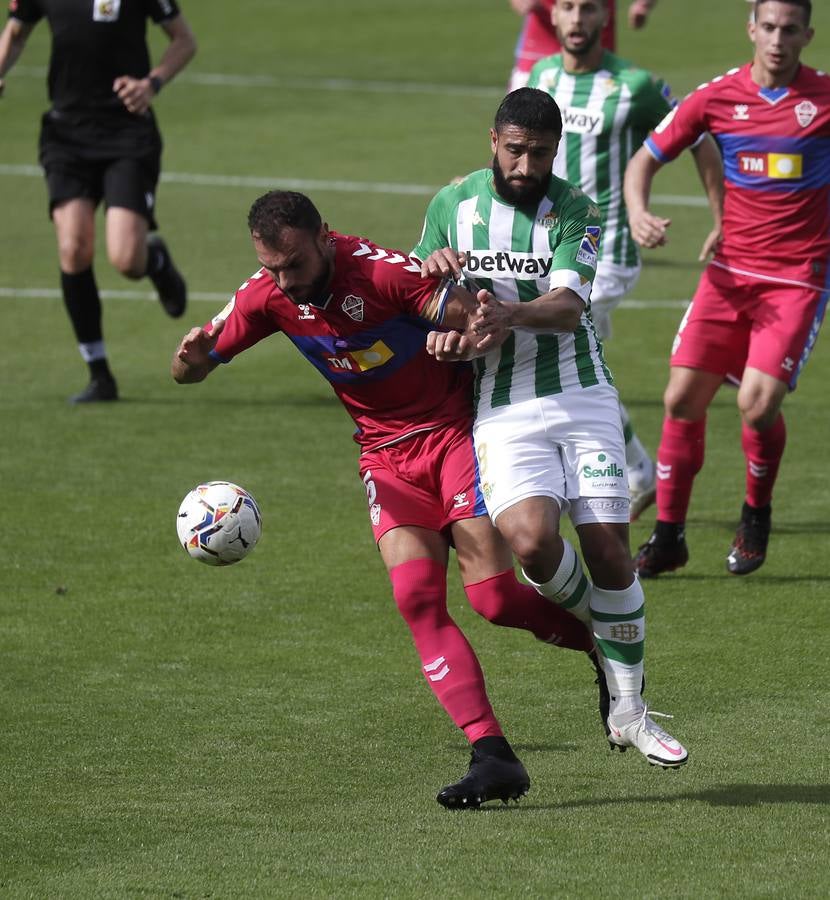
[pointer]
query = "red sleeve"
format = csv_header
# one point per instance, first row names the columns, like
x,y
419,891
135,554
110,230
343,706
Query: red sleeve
x,y
246,318
681,127
402,284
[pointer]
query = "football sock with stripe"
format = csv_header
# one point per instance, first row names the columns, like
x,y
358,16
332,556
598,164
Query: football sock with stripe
x,y
763,451
83,304
447,659
679,459
618,619
569,588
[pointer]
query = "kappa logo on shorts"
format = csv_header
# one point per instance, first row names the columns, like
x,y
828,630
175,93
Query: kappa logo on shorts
x,y
106,10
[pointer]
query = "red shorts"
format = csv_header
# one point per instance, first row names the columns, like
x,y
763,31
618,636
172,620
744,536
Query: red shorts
x,y
429,480
738,320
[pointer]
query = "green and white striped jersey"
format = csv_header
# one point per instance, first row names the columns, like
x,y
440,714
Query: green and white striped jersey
x,y
606,116
518,255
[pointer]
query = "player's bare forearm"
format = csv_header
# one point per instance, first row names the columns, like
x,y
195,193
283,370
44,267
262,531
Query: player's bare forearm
x,y
559,310
647,229
12,41
710,169
137,94
192,361
178,53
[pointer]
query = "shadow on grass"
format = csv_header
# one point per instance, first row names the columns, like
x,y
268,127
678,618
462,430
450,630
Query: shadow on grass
x,y
735,795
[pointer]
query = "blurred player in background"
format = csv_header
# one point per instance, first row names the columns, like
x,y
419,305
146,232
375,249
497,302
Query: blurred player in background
x,y
99,141
547,431
608,108
761,301
360,314
538,39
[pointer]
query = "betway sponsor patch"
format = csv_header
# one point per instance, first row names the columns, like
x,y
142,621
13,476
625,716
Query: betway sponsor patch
x,y
582,121
507,263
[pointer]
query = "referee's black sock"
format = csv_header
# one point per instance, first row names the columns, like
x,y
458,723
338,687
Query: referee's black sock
x,y
83,304
158,257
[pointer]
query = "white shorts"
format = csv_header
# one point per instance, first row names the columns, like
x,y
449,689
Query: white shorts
x,y
611,283
568,447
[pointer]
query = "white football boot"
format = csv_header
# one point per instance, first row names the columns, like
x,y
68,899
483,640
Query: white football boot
x,y
658,746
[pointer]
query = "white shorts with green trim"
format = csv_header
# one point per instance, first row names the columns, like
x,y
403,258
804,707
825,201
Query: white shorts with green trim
x,y
611,283
568,447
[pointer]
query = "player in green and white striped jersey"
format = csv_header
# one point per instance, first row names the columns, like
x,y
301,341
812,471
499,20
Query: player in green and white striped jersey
x,y
547,432
608,108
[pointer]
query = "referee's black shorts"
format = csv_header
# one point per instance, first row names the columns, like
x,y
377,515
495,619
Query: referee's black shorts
x,y
115,158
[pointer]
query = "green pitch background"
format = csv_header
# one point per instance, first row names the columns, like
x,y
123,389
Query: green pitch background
x,y
169,730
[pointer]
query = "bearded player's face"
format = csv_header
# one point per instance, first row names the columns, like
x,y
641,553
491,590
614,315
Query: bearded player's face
x,y
579,24
301,265
522,163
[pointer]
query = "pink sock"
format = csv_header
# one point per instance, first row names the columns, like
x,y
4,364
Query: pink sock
x,y
449,663
763,451
679,459
503,600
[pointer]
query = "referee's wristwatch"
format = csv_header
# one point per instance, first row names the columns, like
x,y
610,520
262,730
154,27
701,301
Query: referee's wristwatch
x,y
155,83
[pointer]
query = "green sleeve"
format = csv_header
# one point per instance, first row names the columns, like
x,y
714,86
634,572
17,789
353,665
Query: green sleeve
x,y
435,233
654,100
575,243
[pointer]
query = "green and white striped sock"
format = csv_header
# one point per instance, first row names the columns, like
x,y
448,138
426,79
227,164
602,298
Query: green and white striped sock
x,y
619,626
569,588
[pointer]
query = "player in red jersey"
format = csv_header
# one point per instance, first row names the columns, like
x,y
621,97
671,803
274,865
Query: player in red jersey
x,y
761,300
537,38
360,314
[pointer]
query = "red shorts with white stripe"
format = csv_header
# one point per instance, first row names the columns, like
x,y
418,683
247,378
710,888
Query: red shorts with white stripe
x,y
429,480
737,320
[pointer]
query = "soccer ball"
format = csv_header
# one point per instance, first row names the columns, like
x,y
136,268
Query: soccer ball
x,y
219,523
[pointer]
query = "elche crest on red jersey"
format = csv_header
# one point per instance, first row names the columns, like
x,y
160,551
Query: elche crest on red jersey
x,y
805,112
353,307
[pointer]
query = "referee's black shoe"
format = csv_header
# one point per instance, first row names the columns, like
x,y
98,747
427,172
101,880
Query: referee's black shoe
x,y
99,390
168,282
488,778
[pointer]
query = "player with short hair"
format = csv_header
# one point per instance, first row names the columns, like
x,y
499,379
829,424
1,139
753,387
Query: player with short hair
x,y
608,108
760,302
547,432
538,37
360,314
100,141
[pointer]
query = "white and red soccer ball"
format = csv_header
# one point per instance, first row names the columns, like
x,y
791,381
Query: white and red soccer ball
x,y
219,523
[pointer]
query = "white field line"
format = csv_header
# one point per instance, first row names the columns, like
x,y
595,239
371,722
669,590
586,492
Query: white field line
x,y
345,85
317,184
9,293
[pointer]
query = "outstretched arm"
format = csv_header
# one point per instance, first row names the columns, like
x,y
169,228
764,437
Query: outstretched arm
x,y
192,361
647,229
12,41
710,169
137,93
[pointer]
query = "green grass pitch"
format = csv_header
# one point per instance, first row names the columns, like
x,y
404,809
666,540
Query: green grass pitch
x,y
174,731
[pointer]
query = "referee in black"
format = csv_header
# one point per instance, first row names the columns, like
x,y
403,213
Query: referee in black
x,y
99,141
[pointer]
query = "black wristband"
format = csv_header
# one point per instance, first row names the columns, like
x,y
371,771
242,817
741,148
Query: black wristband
x,y
156,83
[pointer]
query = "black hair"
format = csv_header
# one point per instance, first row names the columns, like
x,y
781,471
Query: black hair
x,y
275,211
806,5
531,109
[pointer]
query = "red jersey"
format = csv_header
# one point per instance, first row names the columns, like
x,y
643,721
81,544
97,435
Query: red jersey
x,y
367,339
538,36
775,145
